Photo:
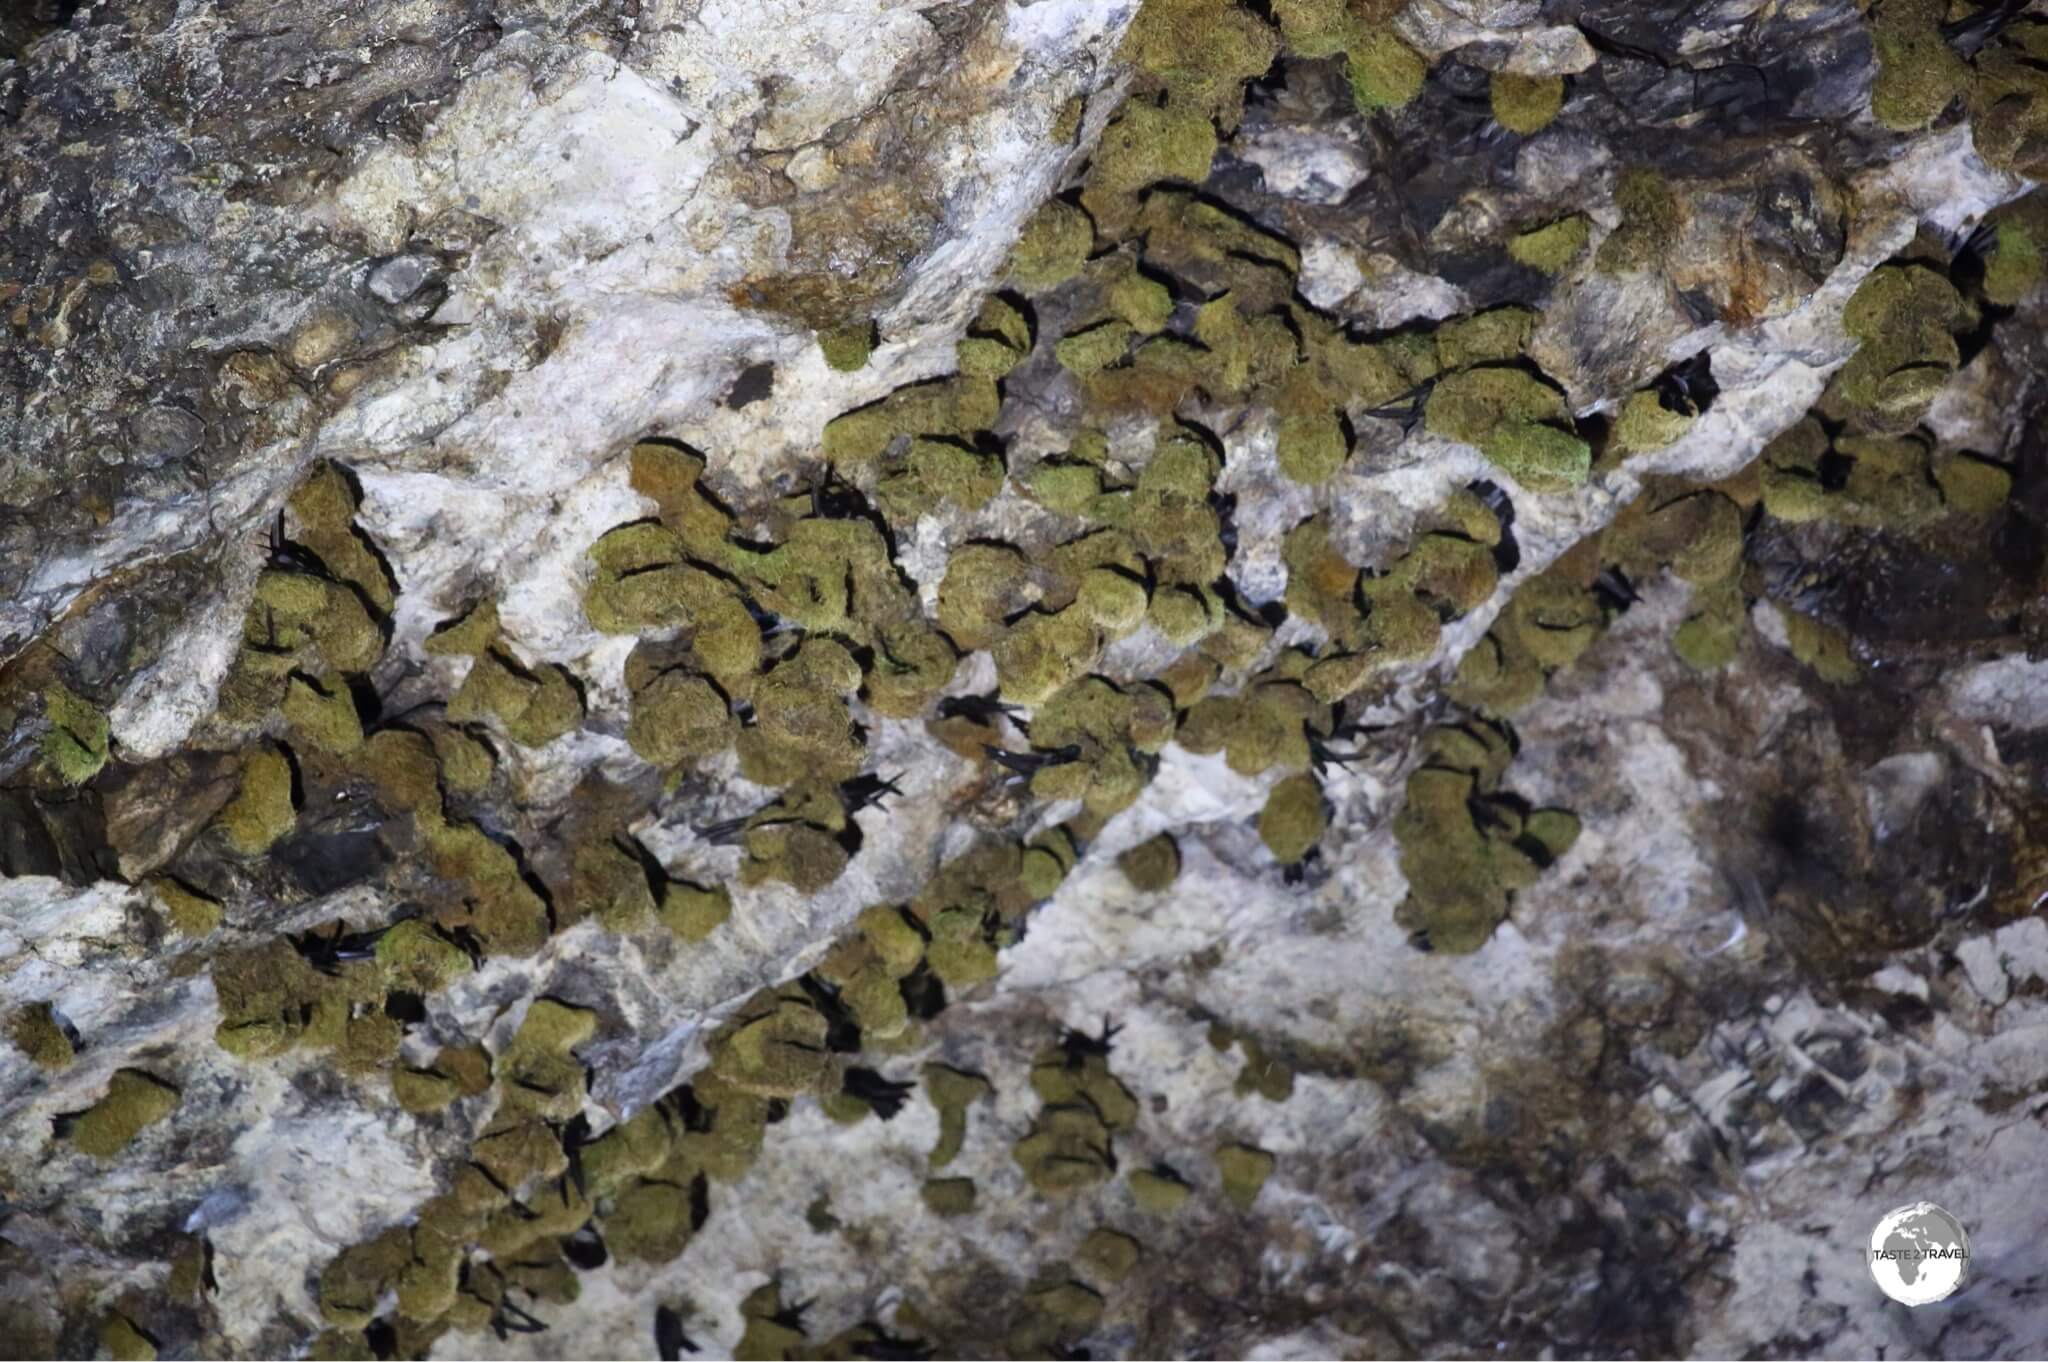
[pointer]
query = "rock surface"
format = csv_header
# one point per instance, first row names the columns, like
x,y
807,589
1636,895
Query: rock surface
x,y
1665,482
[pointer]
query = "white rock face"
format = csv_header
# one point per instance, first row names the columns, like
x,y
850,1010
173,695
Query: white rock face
x,y
1667,1046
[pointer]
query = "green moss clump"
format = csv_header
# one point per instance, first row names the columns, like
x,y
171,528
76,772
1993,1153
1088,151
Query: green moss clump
x,y
997,339
1516,421
1185,615
296,614
1707,642
1652,217
1309,442
694,913
1385,72
775,1047
1108,1255
1053,1313
650,1222
912,664
958,406
422,1091
1823,648
784,846
1140,302
1201,53
1294,819
262,810
1145,144
324,714
1106,729
1496,335
1465,848
1244,1170
2014,268
124,1342
467,762
949,1196
1159,1190
1322,585
803,730
1552,247
325,507
1645,423
499,906
1153,865
415,956
678,718
75,747
611,885
1315,28
539,1077
135,1101
1447,570
936,473
1791,482
1525,104
1709,638
35,1032
266,995
1556,829
1542,458
1041,653
467,636
1068,488
191,912
1903,317
1113,599
868,969
2008,100
632,1149
535,706
772,1332
1890,481
1052,248
847,348
351,1285
1972,485
952,1091
1263,1075
1697,535
1095,348
1918,73
1069,1146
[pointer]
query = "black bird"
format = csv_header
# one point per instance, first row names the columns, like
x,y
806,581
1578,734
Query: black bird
x,y
1028,763
509,1319
868,788
585,1249
328,953
669,1339
884,1095
1079,1045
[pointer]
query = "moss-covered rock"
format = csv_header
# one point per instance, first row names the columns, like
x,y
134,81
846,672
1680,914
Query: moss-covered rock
x,y
36,1033
134,1101
1153,865
75,746
263,809
1525,104
1552,247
